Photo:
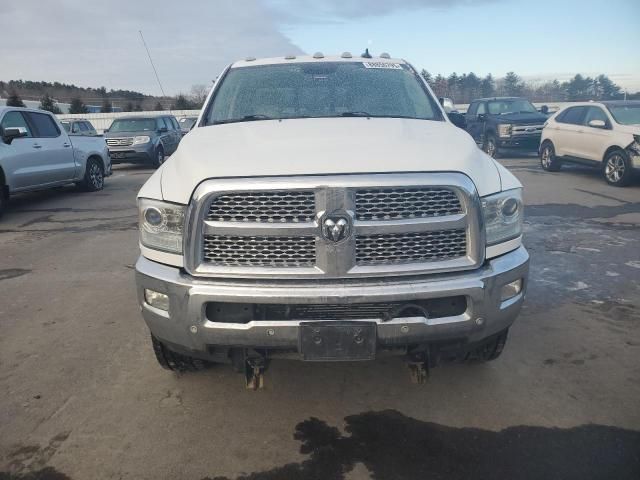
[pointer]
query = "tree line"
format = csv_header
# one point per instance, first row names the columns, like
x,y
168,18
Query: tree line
x,y
51,93
468,86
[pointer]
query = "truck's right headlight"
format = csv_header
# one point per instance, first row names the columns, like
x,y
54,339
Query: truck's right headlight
x,y
141,140
161,225
503,215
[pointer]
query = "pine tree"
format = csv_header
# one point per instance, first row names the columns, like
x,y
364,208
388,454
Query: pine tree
x,y
14,100
513,86
106,107
77,106
49,104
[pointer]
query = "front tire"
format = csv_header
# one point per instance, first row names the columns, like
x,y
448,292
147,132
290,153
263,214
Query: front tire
x,y
160,158
490,146
617,169
548,160
173,361
93,176
488,350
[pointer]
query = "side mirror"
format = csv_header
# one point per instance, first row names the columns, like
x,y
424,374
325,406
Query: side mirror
x,y
544,109
163,130
458,119
10,134
105,130
482,116
597,124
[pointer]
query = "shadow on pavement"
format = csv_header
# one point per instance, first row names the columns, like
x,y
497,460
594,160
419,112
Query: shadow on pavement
x,y
395,447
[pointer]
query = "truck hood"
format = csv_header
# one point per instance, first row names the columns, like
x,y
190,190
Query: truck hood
x,y
521,118
324,146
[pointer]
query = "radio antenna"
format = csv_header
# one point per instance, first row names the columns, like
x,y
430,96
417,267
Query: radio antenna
x,y
152,65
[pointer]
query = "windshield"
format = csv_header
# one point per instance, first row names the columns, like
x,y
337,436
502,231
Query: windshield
x,y
187,123
518,105
626,114
323,89
133,125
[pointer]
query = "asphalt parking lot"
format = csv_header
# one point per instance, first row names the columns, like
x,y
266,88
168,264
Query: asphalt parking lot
x,y
83,398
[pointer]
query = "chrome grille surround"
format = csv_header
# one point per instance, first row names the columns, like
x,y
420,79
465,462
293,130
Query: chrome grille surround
x,y
120,142
333,193
518,130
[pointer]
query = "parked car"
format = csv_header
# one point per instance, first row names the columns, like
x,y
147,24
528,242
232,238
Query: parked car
x,y
79,127
36,152
148,139
504,122
186,124
290,225
605,135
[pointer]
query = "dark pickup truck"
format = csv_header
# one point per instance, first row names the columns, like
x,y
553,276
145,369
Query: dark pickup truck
x,y
505,122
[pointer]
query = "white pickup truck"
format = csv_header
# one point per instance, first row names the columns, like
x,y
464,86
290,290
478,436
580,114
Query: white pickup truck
x,y
325,209
37,153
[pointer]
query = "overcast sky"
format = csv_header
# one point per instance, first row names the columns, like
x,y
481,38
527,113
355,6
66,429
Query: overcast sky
x,y
96,44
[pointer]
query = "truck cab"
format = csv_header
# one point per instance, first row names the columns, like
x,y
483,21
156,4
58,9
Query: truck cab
x,y
504,123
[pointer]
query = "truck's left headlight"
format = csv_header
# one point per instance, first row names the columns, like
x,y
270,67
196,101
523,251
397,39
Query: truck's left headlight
x,y
503,215
504,129
161,225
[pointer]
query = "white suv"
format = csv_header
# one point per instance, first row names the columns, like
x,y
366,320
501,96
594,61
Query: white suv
x,y
601,134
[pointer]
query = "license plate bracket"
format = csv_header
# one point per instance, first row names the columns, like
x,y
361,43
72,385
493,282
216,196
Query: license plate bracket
x,y
337,341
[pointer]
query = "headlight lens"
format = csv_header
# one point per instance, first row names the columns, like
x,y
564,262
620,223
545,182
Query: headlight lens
x,y
503,216
161,225
141,140
504,130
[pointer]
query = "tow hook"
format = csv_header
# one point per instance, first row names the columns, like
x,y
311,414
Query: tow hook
x,y
254,372
418,363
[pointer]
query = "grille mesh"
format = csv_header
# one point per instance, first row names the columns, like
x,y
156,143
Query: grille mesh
x,y
410,247
268,206
119,142
256,251
400,203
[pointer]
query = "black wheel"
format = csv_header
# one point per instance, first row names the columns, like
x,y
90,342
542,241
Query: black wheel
x,y
548,159
617,169
93,176
160,158
489,350
175,361
490,146
4,198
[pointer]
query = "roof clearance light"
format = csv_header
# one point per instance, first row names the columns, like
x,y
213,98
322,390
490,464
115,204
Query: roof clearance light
x,y
290,57
318,55
346,55
385,55
249,59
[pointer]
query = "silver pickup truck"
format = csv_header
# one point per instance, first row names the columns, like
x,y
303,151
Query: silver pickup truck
x,y
36,153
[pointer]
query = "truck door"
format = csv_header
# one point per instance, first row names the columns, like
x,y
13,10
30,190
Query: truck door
x,y
21,158
475,123
57,163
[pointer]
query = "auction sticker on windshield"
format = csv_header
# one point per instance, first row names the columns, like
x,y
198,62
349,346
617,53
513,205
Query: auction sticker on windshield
x,y
393,66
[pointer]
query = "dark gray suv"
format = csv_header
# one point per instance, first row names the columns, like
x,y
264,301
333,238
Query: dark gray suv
x,y
148,139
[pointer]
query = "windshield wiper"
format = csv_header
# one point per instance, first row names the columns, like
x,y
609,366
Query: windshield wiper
x,y
246,118
355,114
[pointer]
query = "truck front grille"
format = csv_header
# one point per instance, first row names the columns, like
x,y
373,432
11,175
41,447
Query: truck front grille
x,y
261,251
120,142
272,207
411,247
395,203
285,227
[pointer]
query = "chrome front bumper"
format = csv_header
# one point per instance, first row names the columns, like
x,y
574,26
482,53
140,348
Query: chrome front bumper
x,y
185,324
